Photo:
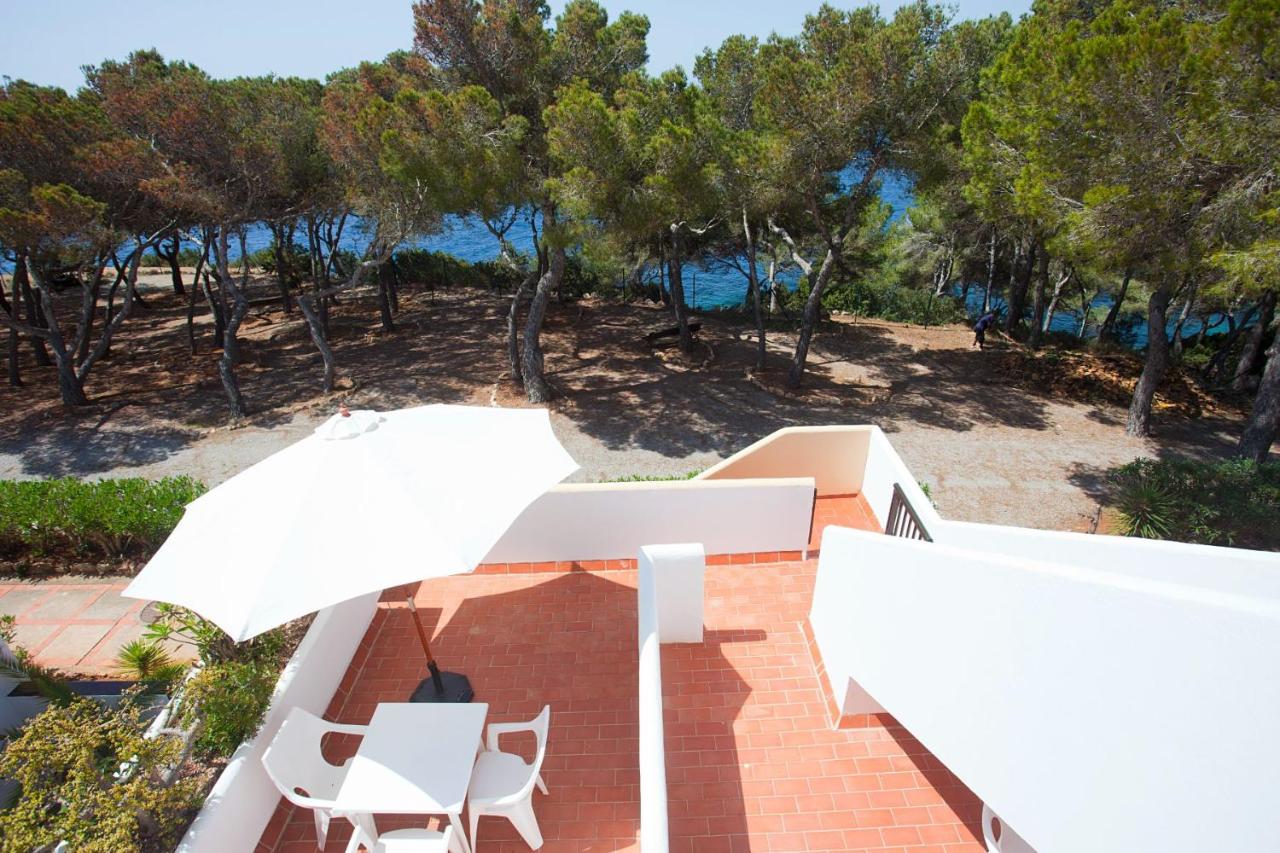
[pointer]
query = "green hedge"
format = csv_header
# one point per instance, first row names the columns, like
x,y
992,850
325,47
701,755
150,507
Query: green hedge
x,y
105,518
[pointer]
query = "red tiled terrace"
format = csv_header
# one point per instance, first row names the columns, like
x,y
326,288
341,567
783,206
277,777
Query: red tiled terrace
x,y
753,759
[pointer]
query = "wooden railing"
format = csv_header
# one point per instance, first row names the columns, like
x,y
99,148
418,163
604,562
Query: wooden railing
x,y
902,520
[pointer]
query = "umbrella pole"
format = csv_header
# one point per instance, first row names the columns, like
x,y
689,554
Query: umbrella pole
x,y
445,686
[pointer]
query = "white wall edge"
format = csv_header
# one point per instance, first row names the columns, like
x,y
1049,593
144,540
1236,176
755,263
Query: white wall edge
x,y
242,800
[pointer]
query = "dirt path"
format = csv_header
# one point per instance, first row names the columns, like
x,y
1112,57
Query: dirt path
x,y
993,446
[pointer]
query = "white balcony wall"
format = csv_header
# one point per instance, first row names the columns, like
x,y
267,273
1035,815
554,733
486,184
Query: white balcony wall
x,y
834,456
884,467
669,609
611,521
1092,710
1231,570
237,810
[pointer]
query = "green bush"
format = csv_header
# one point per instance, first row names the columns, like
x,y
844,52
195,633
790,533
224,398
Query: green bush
x,y
68,761
438,269
886,300
104,518
265,259
1234,502
229,698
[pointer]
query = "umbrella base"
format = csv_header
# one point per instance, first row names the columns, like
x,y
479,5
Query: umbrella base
x,y
457,688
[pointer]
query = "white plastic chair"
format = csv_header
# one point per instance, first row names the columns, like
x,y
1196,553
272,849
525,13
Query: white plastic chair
x,y
405,841
299,769
1009,841
502,783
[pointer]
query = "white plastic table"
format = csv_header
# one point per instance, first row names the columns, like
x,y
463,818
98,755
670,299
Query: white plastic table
x,y
414,759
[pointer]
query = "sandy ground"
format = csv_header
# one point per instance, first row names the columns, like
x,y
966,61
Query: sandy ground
x,y
993,444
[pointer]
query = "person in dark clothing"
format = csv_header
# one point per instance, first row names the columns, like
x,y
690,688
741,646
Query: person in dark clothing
x,y
980,329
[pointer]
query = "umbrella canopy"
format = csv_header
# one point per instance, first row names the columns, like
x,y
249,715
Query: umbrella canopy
x,y
371,500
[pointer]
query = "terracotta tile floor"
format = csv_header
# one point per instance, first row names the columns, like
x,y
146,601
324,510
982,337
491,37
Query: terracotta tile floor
x,y
752,760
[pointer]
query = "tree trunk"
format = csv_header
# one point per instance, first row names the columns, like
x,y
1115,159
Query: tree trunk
x,y
35,313
384,299
170,253
809,320
88,308
1260,431
1252,349
1038,304
1182,321
316,328
230,343
280,235
991,275
1056,300
513,319
535,383
191,297
675,274
753,279
15,311
69,385
1019,283
1138,423
1108,330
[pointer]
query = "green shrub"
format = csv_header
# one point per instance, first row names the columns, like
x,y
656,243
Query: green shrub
x,y
68,762
438,269
1233,502
229,699
886,300
265,259
105,518
211,643
145,660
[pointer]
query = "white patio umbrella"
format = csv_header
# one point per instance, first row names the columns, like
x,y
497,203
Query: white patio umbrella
x,y
370,501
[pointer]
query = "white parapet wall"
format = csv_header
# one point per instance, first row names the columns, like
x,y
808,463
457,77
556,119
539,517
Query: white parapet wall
x,y
842,460
884,468
611,521
237,810
1101,710
657,566
1233,570
833,456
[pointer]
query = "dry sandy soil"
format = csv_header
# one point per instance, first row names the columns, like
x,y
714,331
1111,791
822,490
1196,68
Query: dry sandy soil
x,y
994,439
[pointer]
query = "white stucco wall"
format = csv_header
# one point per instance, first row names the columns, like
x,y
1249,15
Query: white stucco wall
x,y
243,799
834,456
1092,710
611,521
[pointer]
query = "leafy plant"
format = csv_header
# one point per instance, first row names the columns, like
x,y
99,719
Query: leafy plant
x,y
148,661
212,644
228,698
1145,509
106,518
89,777
1209,502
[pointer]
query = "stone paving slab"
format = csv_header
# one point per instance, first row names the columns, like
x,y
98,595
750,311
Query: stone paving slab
x,y
33,636
64,604
77,624
72,644
110,605
18,600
